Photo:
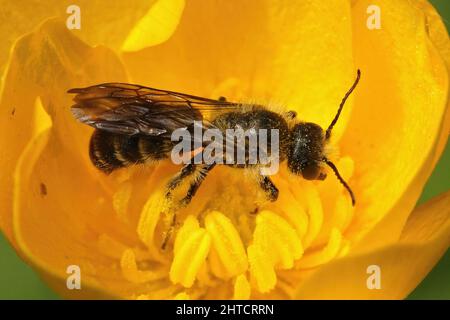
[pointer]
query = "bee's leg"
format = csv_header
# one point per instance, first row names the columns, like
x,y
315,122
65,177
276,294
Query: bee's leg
x,y
290,115
170,231
176,181
188,170
269,188
201,175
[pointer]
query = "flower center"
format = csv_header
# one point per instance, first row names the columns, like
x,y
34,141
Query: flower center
x,y
230,242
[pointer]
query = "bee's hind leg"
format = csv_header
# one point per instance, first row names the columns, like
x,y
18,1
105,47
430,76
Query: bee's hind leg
x,y
269,188
187,170
169,231
202,172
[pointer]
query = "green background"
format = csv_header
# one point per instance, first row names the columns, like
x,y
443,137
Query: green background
x,y
19,281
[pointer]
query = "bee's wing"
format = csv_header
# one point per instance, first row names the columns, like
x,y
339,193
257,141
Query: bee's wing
x,y
133,109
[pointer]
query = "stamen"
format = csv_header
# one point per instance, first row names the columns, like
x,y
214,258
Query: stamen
x,y
261,270
291,209
159,292
204,276
314,211
216,265
227,243
275,244
343,211
182,296
242,289
339,215
287,289
341,180
275,236
245,222
189,257
190,225
323,256
131,273
121,198
234,254
150,215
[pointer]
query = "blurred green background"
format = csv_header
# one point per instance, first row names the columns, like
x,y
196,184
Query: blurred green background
x,y
19,281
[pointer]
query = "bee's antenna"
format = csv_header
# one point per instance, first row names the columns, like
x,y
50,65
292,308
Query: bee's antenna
x,y
341,180
336,117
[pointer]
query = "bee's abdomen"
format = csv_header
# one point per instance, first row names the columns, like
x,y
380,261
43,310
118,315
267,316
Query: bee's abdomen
x,y
110,151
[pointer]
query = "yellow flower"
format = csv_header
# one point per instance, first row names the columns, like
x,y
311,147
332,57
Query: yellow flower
x,y
57,210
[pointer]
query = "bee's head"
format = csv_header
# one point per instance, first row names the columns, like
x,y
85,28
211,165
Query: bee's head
x,y
306,151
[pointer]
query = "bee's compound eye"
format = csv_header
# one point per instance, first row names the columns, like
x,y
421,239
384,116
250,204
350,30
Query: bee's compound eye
x,y
322,176
312,172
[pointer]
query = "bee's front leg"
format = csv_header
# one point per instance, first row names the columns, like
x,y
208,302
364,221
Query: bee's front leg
x,y
269,188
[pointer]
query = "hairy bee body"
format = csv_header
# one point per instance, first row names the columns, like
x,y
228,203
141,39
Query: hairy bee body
x,y
110,151
255,118
135,124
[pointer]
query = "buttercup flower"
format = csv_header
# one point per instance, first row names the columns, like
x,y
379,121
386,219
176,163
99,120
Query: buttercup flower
x,y
57,210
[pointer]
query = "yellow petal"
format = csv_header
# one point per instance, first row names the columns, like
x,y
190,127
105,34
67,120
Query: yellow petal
x,y
113,248
403,265
156,26
392,134
266,50
100,23
52,223
280,64
439,37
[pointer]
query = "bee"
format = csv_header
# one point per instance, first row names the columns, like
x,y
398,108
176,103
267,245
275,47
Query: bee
x,y
134,124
